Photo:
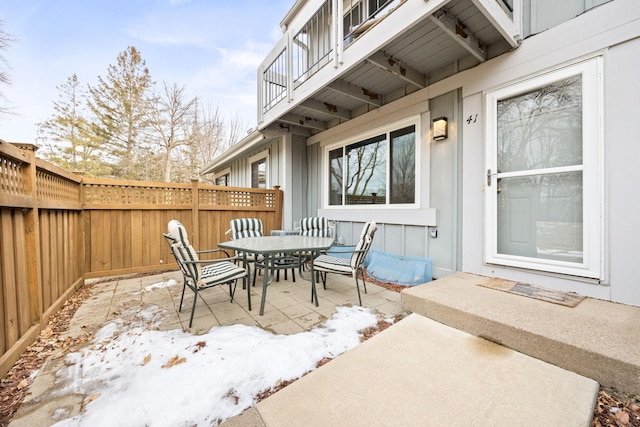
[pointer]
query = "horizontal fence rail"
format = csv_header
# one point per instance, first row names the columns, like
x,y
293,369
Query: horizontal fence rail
x,y
58,228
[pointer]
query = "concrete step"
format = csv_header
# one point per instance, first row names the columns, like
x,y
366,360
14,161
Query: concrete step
x,y
597,339
422,373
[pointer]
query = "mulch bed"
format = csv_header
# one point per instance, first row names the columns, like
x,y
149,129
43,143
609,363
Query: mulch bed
x,y
613,408
14,387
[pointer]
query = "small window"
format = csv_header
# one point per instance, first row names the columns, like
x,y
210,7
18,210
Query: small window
x,y
379,170
223,180
259,173
376,5
223,177
352,18
403,165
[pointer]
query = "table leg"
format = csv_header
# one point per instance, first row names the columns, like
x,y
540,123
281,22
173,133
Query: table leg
x,y
314,294
246,266
265,283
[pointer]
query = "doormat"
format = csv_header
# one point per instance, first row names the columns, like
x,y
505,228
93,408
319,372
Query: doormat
x,y
569,299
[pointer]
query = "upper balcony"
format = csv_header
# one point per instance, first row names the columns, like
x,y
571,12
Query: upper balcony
x,y
339,59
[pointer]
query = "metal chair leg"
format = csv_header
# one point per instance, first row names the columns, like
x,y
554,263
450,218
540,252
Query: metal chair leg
x,y
232,291
358,287
364,283
184,287
193,307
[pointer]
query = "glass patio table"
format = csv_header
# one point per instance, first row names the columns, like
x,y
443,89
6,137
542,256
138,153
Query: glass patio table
x,y
271,248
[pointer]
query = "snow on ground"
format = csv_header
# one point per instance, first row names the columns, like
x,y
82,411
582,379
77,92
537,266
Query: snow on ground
x,y
135,375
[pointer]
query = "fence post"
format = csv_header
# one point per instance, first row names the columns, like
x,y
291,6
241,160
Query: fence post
x,y
279,201
195,213
32,237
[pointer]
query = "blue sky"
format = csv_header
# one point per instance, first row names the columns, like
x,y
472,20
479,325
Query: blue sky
x,y
212,47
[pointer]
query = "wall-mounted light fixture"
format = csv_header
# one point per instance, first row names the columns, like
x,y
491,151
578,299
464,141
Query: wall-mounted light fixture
x,y
440,129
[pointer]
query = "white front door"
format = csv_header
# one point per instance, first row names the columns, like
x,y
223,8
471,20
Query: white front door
x,y
543,193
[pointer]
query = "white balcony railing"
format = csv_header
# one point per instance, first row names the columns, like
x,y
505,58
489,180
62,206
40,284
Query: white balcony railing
x,y
312,45
333,25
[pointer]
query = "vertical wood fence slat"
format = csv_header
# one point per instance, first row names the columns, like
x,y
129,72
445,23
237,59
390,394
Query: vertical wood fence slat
x,y
45,273
21,273
9,297
32,251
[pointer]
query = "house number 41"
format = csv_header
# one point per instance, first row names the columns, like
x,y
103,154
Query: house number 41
x,y
472,118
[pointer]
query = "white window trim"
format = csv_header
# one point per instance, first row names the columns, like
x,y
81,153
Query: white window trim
x,y
593,265
256,157
413,120
221,173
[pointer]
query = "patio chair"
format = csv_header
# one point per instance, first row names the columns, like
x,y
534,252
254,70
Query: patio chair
x,y
252,227
317,226
353,265
314,226
201,274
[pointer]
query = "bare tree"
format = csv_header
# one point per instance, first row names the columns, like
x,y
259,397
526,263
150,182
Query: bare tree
x,y
403,165
365,161
170,119
236,131
210,137
5,42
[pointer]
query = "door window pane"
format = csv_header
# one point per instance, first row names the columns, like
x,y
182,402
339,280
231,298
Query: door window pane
x,y
538,215
541,216
541,129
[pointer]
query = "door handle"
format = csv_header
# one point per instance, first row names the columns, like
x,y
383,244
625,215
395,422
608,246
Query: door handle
x,y
489,180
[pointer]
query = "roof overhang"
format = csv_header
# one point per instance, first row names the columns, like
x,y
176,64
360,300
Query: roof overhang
x,y
253,141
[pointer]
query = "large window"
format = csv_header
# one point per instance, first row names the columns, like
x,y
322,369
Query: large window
x,y
543,179
378,170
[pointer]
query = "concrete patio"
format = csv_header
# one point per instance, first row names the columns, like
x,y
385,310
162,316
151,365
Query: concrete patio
x,y
288,310
442,355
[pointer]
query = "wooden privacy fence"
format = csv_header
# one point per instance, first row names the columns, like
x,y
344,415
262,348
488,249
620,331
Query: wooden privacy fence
x,y
58,228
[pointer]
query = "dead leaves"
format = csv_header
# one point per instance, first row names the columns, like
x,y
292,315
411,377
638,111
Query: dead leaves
x,y
90,399
615,410
146,360
14,386
199,346
175,360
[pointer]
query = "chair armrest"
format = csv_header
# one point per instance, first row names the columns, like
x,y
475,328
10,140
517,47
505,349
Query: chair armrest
x,y
336,249
213,261
210,251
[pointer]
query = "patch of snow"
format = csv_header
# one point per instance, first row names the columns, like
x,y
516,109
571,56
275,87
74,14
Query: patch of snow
x,y
133,375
